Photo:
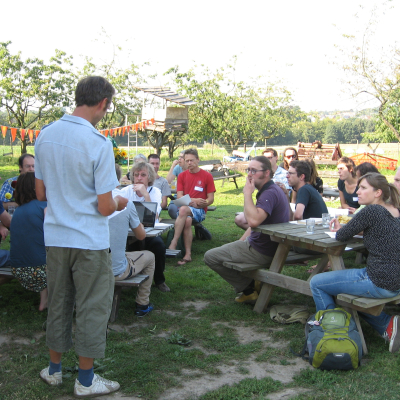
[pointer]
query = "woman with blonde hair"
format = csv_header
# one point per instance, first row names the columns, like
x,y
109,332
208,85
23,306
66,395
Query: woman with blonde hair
x,y
380,223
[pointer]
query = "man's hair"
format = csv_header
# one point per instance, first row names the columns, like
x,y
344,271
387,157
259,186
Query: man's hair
x,y
118,171
153,156
144,166
266,164
270,150
91,90
139,158
22,158
366,167
25,190
193,152
302,168
349,163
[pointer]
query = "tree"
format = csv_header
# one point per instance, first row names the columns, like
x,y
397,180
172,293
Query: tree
x,y
232,112
33,92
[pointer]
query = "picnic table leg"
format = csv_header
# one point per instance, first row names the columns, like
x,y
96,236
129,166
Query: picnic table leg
x,y
267,289
115,304
354,314
337,263
234,180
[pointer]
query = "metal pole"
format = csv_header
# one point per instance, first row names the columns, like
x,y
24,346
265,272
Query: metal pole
x,y
126,123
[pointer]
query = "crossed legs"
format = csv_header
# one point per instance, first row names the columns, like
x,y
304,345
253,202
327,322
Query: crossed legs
x,y
184,224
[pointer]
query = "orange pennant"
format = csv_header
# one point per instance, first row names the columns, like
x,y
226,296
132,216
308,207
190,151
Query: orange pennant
x,y
111,132
37,133
4,130
30,134
152,121
119,131
106,133
13,133
23,134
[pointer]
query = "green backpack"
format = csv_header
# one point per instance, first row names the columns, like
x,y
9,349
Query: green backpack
x,y
332,340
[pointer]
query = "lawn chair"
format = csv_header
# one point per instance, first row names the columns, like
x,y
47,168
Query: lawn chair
x,y
240,155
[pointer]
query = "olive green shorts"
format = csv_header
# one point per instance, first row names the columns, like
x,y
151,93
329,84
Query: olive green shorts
x,y
83,278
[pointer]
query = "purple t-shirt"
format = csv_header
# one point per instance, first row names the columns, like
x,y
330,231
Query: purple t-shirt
x,y
274,202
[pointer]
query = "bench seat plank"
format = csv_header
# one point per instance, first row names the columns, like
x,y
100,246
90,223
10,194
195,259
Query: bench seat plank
x,y
133,281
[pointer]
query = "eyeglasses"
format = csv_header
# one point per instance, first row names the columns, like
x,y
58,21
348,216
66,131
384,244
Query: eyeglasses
x,y
253,171
142,175
291,173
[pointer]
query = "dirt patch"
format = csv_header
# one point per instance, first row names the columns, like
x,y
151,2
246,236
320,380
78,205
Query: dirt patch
x,y
198,305
287,394
7,339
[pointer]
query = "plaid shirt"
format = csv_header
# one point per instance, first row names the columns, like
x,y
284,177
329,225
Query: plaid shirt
x,y
6,188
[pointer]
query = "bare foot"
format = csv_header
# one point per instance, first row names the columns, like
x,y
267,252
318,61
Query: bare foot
x,y
172,245
43,299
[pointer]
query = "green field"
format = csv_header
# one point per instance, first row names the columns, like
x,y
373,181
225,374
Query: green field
x,y
233,353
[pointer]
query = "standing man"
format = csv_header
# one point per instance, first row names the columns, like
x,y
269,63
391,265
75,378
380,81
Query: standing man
x,y
253,248
160,182
309,203
199,185
26,163
79,199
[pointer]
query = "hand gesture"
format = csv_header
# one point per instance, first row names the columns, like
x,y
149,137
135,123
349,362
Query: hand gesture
x,y
249,186
140,189
334,225
122,202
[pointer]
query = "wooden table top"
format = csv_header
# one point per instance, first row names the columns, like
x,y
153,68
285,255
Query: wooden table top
x,y
297,232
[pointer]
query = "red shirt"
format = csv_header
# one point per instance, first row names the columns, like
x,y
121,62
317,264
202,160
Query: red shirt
x,y
196,185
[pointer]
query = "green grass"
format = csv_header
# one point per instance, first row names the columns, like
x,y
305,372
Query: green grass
x,y
144,354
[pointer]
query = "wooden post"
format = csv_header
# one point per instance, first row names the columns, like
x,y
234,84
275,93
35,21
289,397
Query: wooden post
x,y
244,147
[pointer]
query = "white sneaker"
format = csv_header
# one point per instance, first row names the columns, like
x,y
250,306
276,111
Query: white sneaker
x,y
99,387
53,380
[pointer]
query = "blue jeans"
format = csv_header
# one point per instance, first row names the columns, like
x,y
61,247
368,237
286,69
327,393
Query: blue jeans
x,y
351,281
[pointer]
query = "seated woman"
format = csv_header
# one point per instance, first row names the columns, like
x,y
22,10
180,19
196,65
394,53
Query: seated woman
x,y
361,170
27,252
380,223
347,184
143,176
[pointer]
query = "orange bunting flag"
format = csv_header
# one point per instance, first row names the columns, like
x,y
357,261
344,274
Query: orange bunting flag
x,y
119,131
111,132
123,130
106,133
23,134
4,130
37,133
152,121
13,133
30,134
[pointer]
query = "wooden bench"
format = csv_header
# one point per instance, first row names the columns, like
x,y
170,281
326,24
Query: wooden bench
x,y
172,253
135,281
367,305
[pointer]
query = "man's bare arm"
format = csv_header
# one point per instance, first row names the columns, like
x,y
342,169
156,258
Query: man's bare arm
x,y
107,204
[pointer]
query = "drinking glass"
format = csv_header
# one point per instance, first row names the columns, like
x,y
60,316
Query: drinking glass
x,y
326,218
11,210
310,224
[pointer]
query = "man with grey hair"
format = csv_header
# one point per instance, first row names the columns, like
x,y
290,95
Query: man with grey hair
x,y
397,179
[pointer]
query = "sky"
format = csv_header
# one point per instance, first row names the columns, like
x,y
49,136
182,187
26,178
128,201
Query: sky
x,y
296,42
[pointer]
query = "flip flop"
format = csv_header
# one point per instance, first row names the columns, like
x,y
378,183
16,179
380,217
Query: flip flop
x,y
183,261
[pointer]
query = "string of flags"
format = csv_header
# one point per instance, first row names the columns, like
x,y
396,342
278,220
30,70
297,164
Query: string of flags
x,y
30,133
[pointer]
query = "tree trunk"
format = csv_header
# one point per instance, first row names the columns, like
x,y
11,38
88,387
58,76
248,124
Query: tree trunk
x,y
23,146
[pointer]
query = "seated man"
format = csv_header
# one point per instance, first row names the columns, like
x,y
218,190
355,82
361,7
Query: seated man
x,y
309,203
5,221
279,175
143,176
177,167
160,182
26,163
254,248
199,185
128,264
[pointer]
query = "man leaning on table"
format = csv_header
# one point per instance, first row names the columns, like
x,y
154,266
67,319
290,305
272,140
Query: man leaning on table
x,y
79,199
253,248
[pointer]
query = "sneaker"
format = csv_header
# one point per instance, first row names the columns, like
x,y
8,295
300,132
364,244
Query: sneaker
x,y
141,311
248,299
391,334
53,380
163,287
99,387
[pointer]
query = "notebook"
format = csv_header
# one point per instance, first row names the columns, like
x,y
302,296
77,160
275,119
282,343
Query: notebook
x,y
147,213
